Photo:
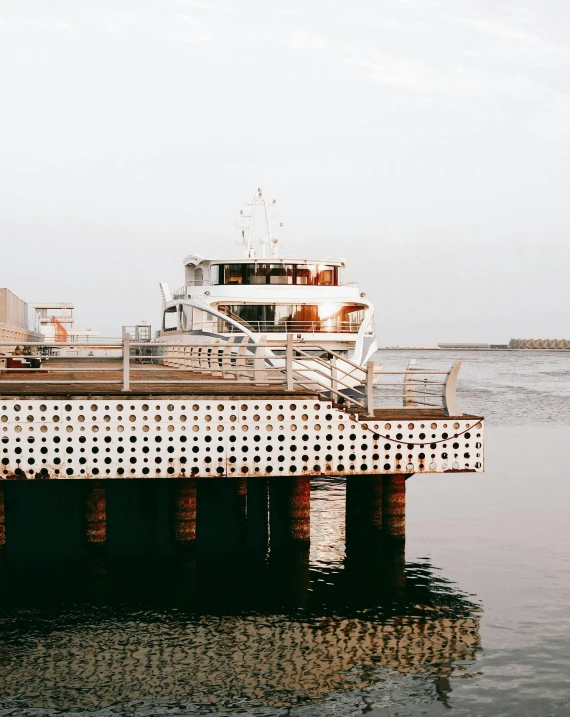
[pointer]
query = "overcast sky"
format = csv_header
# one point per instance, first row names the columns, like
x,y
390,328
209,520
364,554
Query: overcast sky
x,y
426,141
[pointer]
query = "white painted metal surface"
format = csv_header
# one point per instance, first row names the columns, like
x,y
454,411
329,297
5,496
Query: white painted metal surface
x,y
161,438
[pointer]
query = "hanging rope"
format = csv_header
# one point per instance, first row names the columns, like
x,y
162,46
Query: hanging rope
x,y
411,443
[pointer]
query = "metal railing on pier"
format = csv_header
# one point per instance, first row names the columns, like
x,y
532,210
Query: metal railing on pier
x,y
288,364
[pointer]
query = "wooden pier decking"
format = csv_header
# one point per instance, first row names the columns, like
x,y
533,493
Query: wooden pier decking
x,y
75,378
82,377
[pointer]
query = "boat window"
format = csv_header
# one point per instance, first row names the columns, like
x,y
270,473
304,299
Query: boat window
x,y
256,273
261,273
302,318
281,273
170,322
326,275
233,273
306,275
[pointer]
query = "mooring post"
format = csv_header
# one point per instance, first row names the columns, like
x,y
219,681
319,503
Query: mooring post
x,y
185,511
2,518
95,512
394,507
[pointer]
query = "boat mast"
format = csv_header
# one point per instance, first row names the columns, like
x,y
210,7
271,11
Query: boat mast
x,y
259,227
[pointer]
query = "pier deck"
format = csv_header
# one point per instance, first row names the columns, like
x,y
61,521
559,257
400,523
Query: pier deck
x,y
77,376
233,417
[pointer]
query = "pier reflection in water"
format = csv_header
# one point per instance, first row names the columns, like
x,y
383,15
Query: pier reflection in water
x,y
243,630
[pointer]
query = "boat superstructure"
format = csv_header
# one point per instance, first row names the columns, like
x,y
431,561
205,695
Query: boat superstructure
x,y
266,297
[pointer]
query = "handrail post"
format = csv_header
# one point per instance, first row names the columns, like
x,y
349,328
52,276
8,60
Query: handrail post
x,y
334,375
409,389
289,363
126,361
369,387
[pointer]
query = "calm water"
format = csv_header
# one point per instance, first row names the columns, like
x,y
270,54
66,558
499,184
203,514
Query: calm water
x,y
477,619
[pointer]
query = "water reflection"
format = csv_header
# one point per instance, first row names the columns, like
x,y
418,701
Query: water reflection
x,y
240,631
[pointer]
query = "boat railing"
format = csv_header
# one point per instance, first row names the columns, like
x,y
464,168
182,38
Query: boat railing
x,y
183,291
326,326
293,365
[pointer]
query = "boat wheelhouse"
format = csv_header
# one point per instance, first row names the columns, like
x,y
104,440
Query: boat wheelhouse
x,y
267,298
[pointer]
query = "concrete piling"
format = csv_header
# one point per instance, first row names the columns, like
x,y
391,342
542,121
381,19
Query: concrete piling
x,y
394,507
185,511
95,513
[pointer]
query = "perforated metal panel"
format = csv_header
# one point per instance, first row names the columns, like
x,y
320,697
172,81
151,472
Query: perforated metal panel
x,y
111,438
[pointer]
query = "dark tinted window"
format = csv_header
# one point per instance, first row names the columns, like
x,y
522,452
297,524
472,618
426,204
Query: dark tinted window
x,y
258,273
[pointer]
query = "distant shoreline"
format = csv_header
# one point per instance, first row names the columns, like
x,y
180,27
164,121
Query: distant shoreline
x,y
466,348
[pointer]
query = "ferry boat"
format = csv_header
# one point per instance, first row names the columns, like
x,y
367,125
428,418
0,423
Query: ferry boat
x,y
264,297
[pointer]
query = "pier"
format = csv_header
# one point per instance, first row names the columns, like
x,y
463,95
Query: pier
x,y
262,421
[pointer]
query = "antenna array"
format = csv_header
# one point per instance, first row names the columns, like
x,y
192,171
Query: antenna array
x,y
258,230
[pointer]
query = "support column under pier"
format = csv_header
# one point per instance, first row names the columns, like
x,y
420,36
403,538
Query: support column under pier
x,y
394,507
2,518
257,515
290,511
364,512
94,513
353,514
298,516
372,504
185,511
240,502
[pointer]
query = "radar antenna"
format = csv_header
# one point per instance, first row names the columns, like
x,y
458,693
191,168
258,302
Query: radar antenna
x,y
259,227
